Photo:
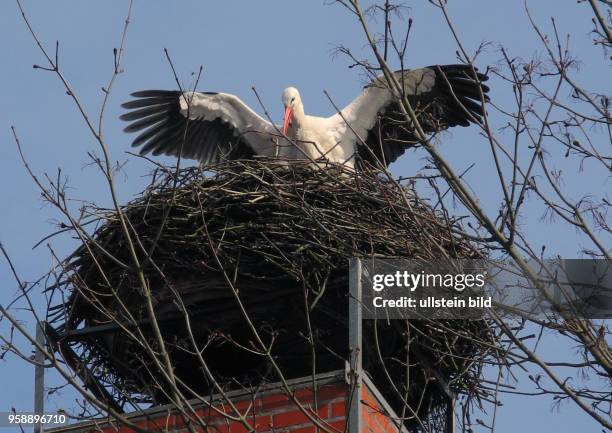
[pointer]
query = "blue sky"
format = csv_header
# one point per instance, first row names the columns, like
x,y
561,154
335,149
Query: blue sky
x,y
269,45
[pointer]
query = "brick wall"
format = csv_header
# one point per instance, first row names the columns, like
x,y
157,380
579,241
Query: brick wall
x,y
270,410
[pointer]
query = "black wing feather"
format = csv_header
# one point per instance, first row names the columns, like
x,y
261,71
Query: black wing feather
x,y
145,102
164,130
145,122
143,112
437,107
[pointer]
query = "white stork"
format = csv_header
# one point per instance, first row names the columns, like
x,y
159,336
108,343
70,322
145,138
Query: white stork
x,y
210,127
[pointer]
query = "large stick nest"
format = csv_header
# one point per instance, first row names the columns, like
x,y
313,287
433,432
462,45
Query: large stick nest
x,y
278,236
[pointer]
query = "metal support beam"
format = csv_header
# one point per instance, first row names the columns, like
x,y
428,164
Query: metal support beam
x,y
355,372
39,376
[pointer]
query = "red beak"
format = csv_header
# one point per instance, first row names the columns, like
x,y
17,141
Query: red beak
x,y
287,119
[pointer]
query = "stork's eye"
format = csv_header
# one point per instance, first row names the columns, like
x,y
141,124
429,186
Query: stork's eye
x,y
293,99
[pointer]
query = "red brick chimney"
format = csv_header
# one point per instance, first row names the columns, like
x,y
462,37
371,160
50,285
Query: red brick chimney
x,y
270,409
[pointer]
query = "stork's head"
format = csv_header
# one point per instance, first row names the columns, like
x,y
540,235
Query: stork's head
x,y
292,103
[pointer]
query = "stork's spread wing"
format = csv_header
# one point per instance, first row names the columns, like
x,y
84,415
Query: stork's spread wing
x,y
441,96
208,127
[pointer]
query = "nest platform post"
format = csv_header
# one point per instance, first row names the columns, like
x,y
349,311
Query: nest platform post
x,y
355,364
